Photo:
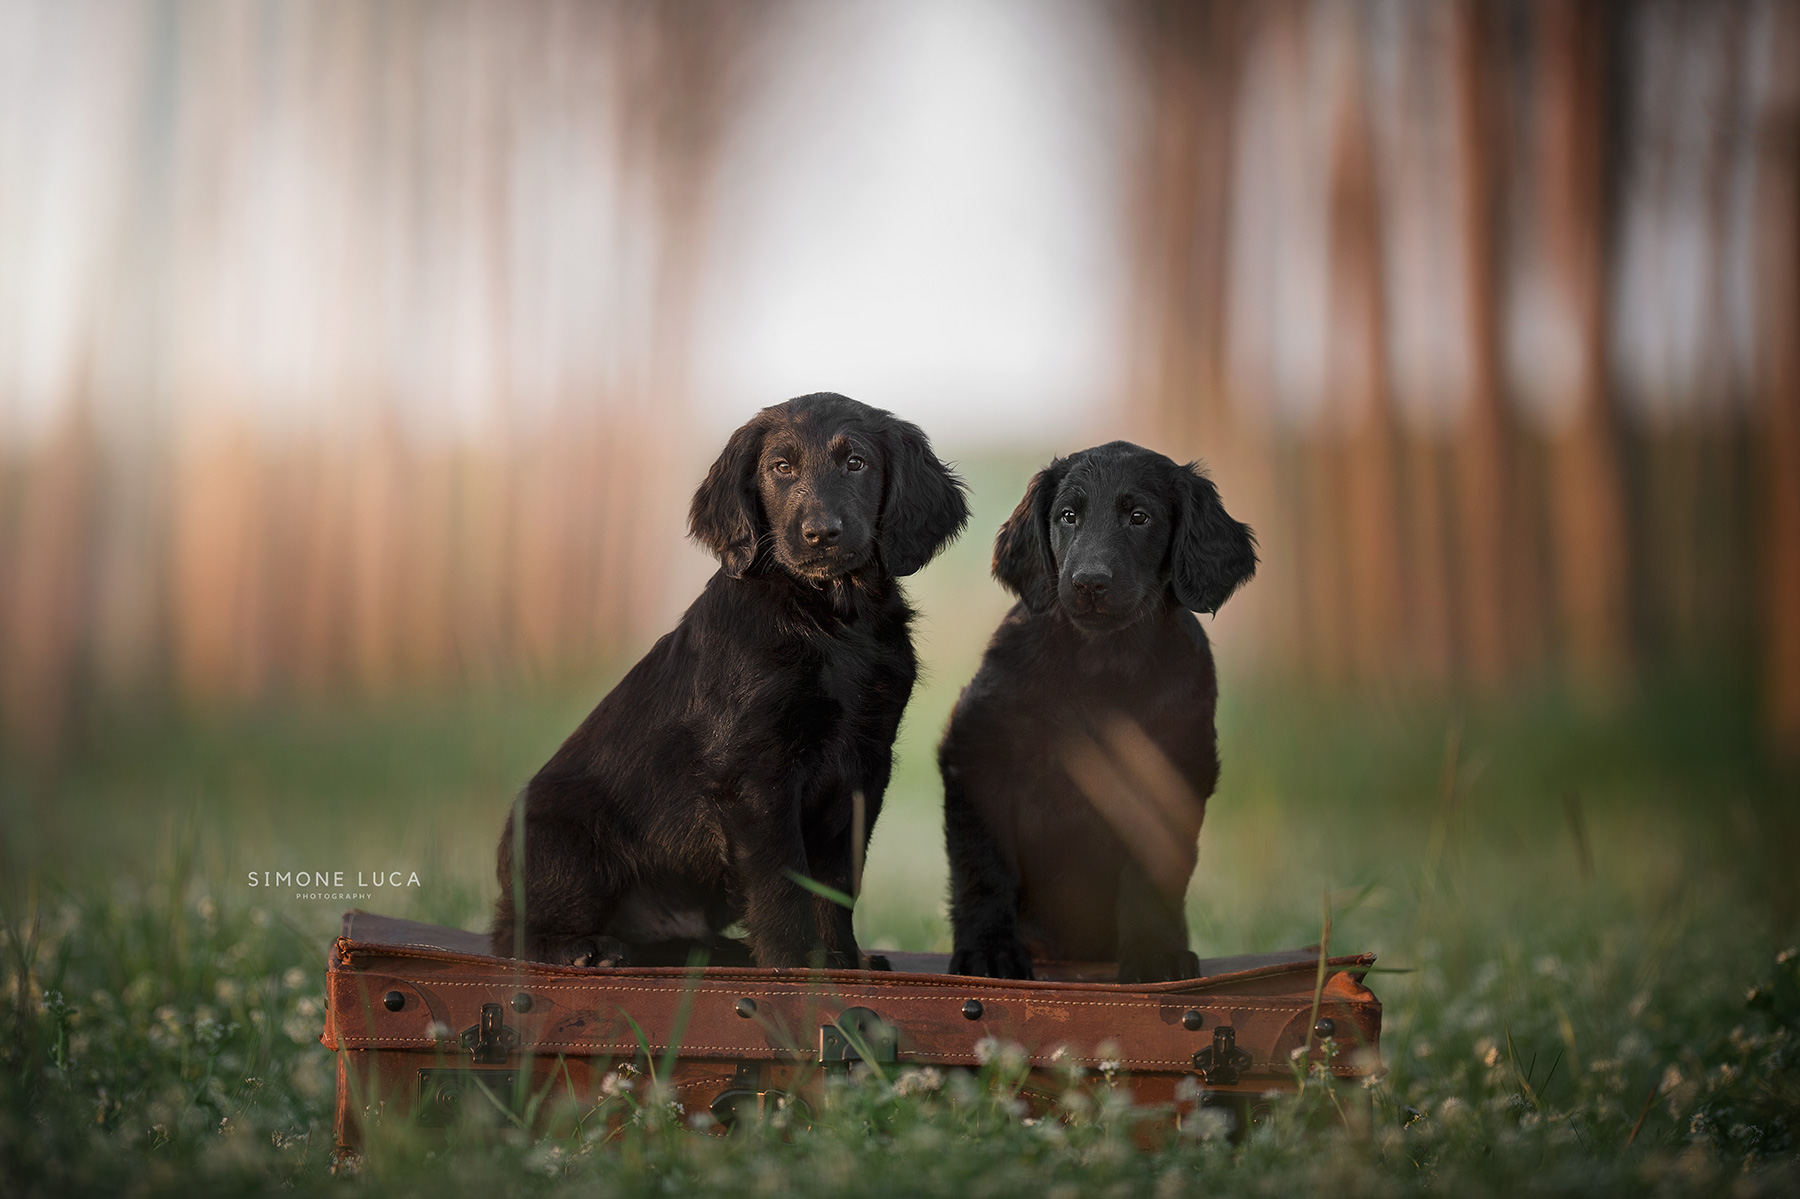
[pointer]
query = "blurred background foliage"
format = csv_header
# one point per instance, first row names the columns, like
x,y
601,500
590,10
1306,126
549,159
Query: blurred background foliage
x,y
357,362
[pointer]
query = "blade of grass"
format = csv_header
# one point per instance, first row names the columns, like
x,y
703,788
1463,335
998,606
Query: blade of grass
x,y
823,890
1319,980
1584,853
1362,896
671,1052
643,1044
1644,1112
1520,1077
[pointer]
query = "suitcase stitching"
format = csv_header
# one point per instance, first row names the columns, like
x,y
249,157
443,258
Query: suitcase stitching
x,y
1299,1004
1181,1064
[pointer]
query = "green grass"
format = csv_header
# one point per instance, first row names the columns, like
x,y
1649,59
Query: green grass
x,y
1581,905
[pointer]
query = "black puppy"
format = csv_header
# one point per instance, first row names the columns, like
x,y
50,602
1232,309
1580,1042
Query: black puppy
x,y
1078,761
729,759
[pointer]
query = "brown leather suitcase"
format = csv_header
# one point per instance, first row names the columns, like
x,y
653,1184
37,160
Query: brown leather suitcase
x,y
429,1028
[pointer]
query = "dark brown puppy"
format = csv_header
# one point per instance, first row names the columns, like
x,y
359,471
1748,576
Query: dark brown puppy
x,y
1078,761
726,762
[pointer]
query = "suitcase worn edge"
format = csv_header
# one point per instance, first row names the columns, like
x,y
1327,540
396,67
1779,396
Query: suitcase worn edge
x,y
345,950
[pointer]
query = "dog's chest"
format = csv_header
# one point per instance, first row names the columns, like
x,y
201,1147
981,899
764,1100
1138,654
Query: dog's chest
x,y
865,689
862,667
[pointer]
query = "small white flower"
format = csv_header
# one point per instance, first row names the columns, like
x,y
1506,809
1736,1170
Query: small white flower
x,y
546,1159
919,1082
1206,1124
985,1049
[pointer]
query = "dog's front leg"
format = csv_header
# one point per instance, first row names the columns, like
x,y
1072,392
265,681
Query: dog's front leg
x,y
1153,933
984,892
830,861
769,851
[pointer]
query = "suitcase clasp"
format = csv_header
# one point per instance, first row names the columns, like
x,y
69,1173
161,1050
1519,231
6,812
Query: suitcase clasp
x,y
1221,1062
858,1036
748,1099
491,1040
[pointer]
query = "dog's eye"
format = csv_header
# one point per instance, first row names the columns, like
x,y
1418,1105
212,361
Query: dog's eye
x,y
1139,516
853,463
781,467
1066,516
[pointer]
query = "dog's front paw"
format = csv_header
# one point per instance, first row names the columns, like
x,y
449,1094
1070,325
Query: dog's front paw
x,y
878,961
590,951
1005,961
1159,967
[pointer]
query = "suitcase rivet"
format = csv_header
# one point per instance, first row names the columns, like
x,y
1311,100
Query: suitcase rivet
x,y
972,1009
393,1001
521,1003
1192,1021
745,1007
1325,1027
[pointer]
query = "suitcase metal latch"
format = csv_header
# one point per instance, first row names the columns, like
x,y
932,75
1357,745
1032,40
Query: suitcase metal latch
x,y
491,1040
748,1099
858,1036
1221,1062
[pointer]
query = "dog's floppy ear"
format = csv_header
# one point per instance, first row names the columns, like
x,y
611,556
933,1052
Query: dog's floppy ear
x,y
726,516
922,505
1022,559
1211,554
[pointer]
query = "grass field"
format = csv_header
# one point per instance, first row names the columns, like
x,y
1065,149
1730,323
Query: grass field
x,y
1590,910
1584,914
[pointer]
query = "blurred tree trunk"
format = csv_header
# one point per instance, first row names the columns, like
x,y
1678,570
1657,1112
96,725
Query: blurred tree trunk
x,y
1189,57
1415,119
1486,506
1778,376
1369,468
1190,54
1591,534
47,588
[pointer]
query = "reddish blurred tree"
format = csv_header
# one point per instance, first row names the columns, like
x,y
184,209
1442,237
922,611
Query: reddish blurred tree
x,y
1591,538
1778,294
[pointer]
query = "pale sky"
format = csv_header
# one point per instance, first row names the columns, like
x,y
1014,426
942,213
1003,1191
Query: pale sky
x,y
923,212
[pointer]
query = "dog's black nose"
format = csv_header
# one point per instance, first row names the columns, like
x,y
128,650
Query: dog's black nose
x,y
1091,581
822,532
